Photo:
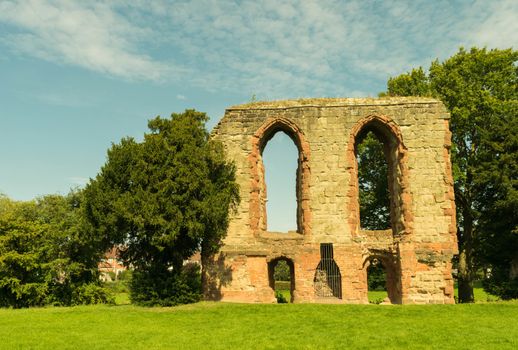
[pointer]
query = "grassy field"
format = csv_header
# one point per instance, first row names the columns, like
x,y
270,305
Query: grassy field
x,y
274,326
478,292
375,297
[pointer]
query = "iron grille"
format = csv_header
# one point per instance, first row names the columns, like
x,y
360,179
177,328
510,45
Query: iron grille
x,y
328,280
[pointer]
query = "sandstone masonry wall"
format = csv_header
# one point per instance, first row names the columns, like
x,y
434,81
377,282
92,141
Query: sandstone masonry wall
x,y
416,252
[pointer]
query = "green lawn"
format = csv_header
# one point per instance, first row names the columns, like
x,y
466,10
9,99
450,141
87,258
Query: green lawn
x,y
375,296
480,295
478,292
122,299
273,326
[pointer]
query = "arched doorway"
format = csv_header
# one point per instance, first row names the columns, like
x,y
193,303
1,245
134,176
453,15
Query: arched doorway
x,y
281,275
382,274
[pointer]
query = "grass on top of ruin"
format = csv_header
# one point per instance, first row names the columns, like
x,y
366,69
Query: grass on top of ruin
x,y
273,326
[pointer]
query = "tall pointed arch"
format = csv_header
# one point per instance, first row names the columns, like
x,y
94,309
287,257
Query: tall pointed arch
x,y
257,209
388,132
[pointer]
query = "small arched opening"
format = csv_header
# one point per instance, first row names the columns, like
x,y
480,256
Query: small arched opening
x,y
382,279
281,276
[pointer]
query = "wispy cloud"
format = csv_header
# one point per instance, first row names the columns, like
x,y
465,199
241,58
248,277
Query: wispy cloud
x,y
266,48
499,27
87,34
314,47
181,97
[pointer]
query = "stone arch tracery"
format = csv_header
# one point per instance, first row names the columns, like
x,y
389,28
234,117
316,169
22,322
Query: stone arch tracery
x,y
261,137
396,155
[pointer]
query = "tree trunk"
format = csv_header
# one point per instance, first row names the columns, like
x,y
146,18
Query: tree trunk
x,y
204,259
465,281
513,271
466,273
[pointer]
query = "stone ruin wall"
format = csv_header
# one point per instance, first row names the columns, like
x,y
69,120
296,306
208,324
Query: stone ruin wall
x,y
416,252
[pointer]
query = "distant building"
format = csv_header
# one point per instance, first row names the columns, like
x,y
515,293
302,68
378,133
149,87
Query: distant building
x,y
194,259
110,265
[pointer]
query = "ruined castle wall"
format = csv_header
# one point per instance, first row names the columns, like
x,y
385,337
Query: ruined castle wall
x,y
422,241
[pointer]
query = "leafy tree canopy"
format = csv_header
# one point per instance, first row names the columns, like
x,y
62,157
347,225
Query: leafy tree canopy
x,y
414,83
282,271
46,253
373,184
161,200
480,89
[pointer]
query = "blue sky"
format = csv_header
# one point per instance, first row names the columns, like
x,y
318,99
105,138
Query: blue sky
x,y
78,75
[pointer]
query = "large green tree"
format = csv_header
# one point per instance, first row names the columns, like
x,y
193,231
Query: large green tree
x,y
496,185
480,89
161,200
21,282
47,255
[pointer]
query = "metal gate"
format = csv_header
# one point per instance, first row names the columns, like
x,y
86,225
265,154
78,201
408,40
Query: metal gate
x,y
328,280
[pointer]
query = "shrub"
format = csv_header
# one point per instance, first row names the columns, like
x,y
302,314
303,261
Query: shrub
x,y
121,284
166,288
47,255
91,294
501,286
376,276
376,301
280,297
125,275
112,275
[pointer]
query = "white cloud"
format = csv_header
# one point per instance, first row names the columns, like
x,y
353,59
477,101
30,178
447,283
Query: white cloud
x,y
89,35
270,49
181,97
499,28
